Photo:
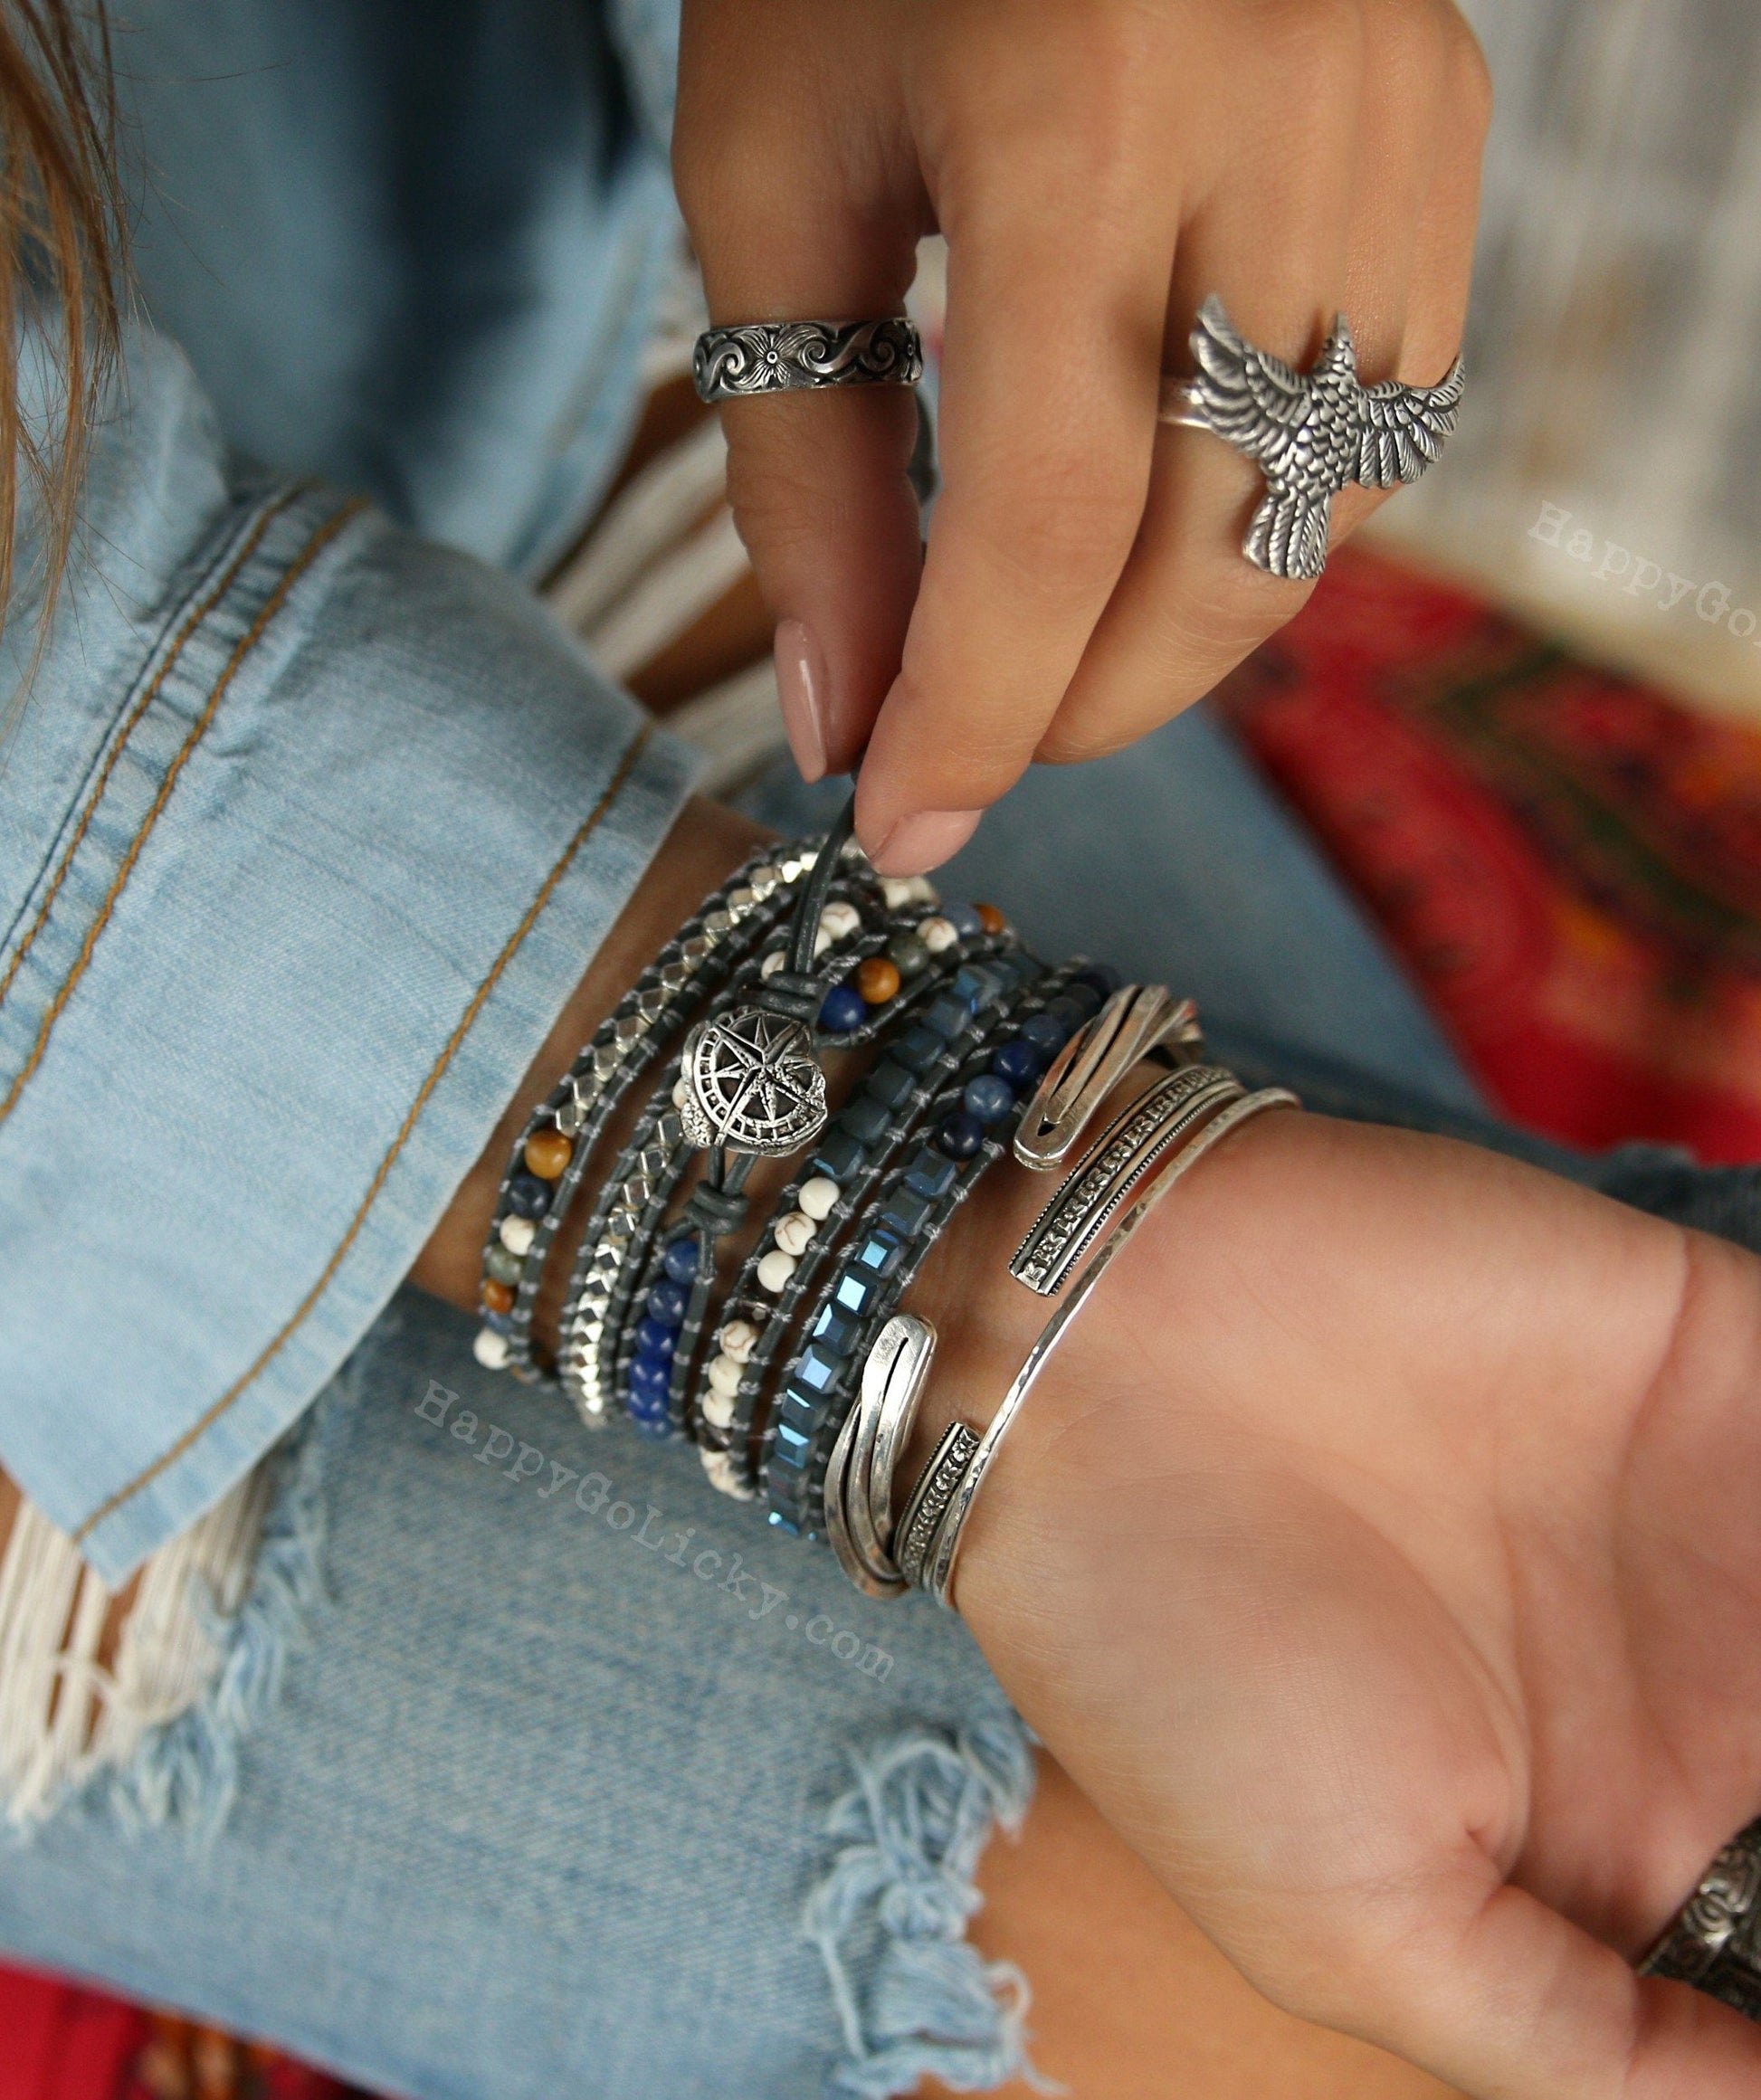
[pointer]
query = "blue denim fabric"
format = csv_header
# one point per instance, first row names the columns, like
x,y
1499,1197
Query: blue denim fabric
x,y
412,249
311,827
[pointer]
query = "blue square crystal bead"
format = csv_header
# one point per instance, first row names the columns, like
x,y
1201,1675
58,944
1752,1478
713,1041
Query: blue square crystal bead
x,y
905,1212
890,1083
855,1293
879,1254
948,1016
979,985
815,1369
790,1450
931,1174
867,1121
839,1155
917,1049
798,1411
782,1523
834,1332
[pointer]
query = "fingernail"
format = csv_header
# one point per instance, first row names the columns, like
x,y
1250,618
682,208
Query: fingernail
x,y
801,688
917,844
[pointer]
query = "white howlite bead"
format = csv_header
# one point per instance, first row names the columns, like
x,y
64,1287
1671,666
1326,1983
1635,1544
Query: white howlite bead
x,y
818,1197
720,1468
682,1092
773,962
517,1235
822,939
718,1409
725,1375
776,1269
490,1349
792,1233
923,890
737,1339
840,919
936,934
902,890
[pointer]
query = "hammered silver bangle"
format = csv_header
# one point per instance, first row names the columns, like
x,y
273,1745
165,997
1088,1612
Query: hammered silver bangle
x,y
936,1572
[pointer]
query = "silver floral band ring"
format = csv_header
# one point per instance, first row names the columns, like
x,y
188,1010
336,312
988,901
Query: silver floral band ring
x,y
786,356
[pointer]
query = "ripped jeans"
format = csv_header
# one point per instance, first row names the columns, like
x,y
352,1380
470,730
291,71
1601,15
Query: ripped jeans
x,y
534,1769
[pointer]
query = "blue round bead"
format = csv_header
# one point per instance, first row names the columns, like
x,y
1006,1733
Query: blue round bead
x,y
657,1428
648,1377
528,1196
844,1008
1068,1012
646,1405
654,1340
497,1323
1082,996
964,919
988,1097
960,1136
1018,1061
1045,1033
1099,977
680,1261
667,1302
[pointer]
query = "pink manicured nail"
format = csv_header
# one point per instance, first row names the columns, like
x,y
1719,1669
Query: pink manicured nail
x,y
917,844
801,688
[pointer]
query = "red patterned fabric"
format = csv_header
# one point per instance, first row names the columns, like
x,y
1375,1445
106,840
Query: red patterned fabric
x,y
1569,863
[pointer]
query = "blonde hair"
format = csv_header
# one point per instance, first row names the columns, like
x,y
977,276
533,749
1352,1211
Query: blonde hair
x,y
62,244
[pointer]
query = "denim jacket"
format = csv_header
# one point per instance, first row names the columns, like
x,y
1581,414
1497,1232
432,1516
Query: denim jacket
x,y
311,817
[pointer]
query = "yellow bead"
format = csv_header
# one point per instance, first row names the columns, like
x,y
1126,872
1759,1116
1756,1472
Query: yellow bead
x,y
877,980
547,1152
991,919
498,1298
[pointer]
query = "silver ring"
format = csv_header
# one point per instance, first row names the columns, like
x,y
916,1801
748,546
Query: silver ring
x,y
1310,432
1714,1940
782,356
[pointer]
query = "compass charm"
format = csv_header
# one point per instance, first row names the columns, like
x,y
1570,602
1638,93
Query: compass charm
x,y
753,1084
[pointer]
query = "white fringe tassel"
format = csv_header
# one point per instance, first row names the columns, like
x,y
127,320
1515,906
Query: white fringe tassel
x,y
63,1716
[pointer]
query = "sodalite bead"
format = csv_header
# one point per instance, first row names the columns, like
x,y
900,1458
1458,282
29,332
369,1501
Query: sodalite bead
x,y
681,1261
654,1340
1045,1033
667,1302
528,1196
960,1135
988,1097
842,1010
647,1376
1018,1061
1099,977
965,919
1071,1012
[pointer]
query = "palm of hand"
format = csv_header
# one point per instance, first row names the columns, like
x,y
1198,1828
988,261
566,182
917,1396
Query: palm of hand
x,y
1384,1567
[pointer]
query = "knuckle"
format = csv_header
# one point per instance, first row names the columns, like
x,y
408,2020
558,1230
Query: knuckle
x,y
1318,42
1468,77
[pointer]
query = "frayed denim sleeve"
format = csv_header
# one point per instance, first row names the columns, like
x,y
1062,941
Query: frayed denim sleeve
x,y
311,827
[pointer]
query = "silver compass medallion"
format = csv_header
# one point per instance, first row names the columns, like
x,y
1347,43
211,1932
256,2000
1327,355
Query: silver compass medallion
x,y
753,1084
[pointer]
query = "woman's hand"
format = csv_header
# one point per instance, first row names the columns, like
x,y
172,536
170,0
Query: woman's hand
x,y
1098,168
1382,1554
